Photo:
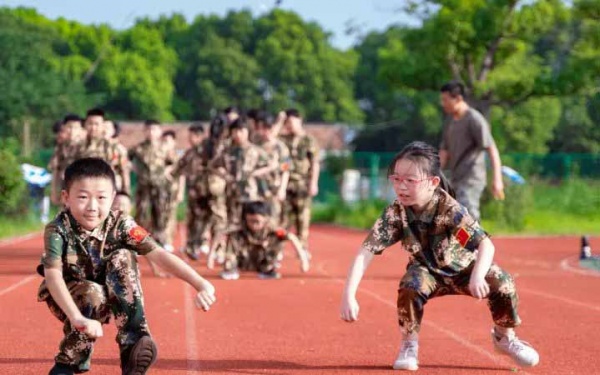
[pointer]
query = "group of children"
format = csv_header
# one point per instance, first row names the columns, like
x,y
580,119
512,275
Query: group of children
x,y
90,268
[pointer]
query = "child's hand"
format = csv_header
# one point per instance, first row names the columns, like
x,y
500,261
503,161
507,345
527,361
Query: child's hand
x,y
90,327
478,287
349,309
206,296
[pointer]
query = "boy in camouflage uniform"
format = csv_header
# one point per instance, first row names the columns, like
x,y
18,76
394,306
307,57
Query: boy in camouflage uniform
x,y
304,175
97,146
241,164
169,142
192,165
258,245
90,271
67,143
275,182
112,129
449,254
153,165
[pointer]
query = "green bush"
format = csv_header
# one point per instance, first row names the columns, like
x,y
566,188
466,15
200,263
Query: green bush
x,y
12,185
512,211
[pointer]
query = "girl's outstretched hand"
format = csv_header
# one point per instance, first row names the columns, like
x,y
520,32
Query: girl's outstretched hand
x,y
349,309
206,296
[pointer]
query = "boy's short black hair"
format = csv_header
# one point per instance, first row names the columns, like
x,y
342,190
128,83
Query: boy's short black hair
x,y
151,122
454,88
71,117
88,168
117,127
56,126
196,128
123,194
231,109
292,112
265,120
253,113
256,208
169,133
94,112
239,123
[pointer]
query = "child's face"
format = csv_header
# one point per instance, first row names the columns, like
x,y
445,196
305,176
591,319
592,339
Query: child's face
x,y
169,143
411,185
109,129
293,124
153,132
95,126
195,138
256,222
240,135
263,132
89,200
122,203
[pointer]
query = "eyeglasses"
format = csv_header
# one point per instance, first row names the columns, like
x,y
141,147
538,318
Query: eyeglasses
x,y
409,182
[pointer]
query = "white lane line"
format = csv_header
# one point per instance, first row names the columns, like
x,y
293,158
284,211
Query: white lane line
x,y
559,298
565,266
191,338
14,240
17,284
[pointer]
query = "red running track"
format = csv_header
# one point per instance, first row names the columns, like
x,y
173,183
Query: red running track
x,y
292,326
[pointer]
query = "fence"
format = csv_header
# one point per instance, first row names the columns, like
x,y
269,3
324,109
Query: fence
x,y
369,181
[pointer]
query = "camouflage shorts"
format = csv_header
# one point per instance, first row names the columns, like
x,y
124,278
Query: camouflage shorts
x,y
419,285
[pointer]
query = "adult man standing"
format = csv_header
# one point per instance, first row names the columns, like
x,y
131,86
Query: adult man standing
x,y
466,137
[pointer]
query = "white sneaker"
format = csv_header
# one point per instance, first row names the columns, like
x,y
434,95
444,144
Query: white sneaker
x,y
407,358
204,249
230,275
520,351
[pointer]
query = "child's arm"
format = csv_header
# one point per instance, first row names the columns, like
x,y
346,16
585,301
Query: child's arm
x,y
300,251
350,308
478,287
175,266
60,294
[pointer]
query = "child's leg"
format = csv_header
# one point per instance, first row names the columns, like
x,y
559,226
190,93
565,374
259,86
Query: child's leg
x,y
416,287
303,212
503,299
76,347
126,297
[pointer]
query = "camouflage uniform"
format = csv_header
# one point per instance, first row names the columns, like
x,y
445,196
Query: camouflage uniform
x,y
64,154
239,163
254,251
442,242
279,155
102,275
303,152
154,187
110,151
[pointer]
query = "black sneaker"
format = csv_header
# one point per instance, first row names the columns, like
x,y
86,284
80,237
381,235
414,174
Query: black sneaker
x,y
191,253
61,369
137,359
271,275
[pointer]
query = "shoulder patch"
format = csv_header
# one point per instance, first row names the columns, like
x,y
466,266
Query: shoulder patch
x,y
280,233
138,233
462,236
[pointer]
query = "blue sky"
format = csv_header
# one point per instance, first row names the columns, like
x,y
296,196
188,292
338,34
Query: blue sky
x,y
332,14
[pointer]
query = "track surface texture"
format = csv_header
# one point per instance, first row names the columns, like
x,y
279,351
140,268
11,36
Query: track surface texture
x,y
292,325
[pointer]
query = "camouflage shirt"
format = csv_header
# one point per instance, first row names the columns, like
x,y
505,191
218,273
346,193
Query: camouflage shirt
x,y
193,165
64,154
303,152
242,240
104,149
442,238
278,154
81,253
151,164
240,163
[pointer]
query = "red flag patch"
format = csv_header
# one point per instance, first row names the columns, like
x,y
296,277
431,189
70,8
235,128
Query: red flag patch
x,y
463,237
138,233
281,233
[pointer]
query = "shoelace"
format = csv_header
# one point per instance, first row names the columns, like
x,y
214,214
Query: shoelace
x,y
409,349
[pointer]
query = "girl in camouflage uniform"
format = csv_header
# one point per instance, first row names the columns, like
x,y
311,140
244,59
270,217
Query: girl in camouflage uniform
x,y
450,254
